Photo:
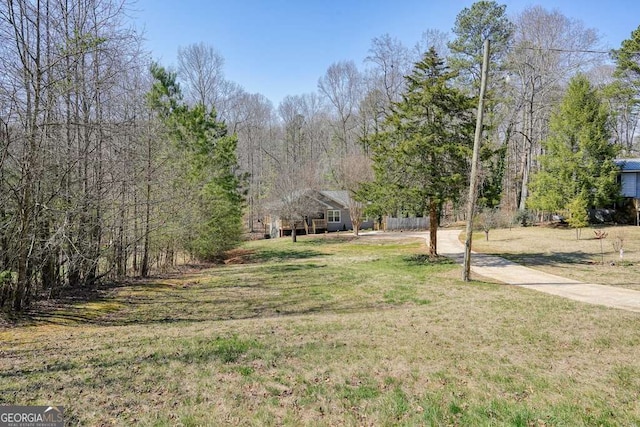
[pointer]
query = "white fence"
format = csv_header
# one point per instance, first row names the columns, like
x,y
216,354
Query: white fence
x,y
393,224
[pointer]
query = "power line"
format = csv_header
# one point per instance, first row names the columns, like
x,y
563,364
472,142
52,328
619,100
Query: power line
x,y
552,49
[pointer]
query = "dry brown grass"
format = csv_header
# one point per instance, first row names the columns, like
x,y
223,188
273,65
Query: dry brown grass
x,y
328,332
558,251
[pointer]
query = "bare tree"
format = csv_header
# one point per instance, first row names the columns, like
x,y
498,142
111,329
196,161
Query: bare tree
x,y
621,96
200,66
59,94
254,148
291,197
435,38
342,86
349,174
391,62
296,148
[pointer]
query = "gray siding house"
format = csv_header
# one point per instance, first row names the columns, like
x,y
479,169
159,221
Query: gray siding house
x,y
336,212
630,177
330,213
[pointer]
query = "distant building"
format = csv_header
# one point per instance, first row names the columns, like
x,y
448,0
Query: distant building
x,y
629,177
330,212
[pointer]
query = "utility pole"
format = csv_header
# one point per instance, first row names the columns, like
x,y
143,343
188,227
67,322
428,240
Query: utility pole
x,y
473,186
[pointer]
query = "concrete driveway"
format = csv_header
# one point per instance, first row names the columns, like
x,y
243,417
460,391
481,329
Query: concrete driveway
x,y
508,272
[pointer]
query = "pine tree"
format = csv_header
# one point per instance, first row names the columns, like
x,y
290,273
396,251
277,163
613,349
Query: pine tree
x,y
628,56
209,221
421,160
579,157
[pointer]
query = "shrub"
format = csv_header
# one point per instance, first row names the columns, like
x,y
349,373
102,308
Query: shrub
x,y
523,217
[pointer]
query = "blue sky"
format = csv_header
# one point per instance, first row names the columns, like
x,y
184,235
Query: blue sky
x,y
282,47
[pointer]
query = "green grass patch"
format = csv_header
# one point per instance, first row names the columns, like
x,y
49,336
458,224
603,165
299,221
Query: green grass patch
x,y
225,349
354,392
332,330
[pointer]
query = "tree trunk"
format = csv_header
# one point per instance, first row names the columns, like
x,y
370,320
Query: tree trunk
x,y
433,229
293,232
135,232
144,269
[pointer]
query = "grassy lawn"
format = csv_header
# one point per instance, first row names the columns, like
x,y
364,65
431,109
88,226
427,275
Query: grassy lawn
x,y
558,251
328,331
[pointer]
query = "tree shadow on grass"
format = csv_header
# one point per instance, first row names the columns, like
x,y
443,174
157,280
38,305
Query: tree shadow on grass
x,y
567,259
221,308
544,259
76,305
279,285
140,302
426,259
272,254
332,240
91,304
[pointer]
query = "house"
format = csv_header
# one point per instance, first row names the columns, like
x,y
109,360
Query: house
x,y
630,177
315,212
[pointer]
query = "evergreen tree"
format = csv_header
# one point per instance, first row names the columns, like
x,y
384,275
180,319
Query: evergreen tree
x,y
483,20
421,159
209,221
628,56
474,25
578,215
578,155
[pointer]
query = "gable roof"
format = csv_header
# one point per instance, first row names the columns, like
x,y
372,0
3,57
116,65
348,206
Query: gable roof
x,y
321,199
339,196
629,165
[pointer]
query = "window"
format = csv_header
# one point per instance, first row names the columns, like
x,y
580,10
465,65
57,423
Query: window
x,y
333,216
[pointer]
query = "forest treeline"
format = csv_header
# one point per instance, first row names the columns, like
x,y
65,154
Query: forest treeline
x,y
113,165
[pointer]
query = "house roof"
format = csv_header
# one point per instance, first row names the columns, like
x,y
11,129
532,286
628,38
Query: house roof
x,y
629,165
339,196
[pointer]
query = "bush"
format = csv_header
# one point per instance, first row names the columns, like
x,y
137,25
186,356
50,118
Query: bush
x,y
523,217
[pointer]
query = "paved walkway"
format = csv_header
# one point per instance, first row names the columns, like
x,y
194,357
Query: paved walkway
x,y
508,272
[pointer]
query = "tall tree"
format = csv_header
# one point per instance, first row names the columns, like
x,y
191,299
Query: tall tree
x,y
201,68
210,221
486,20
342,86
628,56
483,20
351,174
422,157
62,64
548,50
391,62
579,156
384,82
254,147
626,90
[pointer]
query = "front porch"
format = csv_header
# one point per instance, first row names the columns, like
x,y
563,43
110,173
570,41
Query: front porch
x,y
307,226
